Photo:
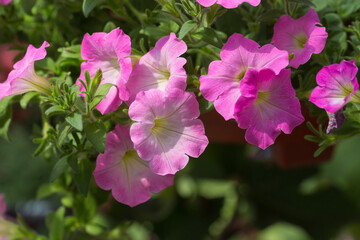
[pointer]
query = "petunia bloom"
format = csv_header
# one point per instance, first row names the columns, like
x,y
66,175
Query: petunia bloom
x,y
110,53
238,55
23,77
161,68
122,170
228,3
5,2
301,36
266,106
337,86
166,129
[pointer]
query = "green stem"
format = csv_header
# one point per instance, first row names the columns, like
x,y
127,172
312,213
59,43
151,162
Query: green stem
x,y
134,11
294,10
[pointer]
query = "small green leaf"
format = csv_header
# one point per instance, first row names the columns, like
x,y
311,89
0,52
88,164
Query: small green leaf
x,y
54,110
63,133
89,5
75,120
59,168
100,94
46,190
109,26
96,133
27,98
57,227
205,106
210,36
186,27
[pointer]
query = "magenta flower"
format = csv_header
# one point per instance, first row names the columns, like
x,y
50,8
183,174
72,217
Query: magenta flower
x,y
266,106
337,85
108,52
23,78
228,3
302,36
5,2
238,55
161,68
122,170
2,205
167,130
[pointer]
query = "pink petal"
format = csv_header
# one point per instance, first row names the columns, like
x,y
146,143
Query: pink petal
x,y
23,78
206,3
108,52
5,2
337,83
300,36
239,54
166,129
161,68
121,170
236,3
267,105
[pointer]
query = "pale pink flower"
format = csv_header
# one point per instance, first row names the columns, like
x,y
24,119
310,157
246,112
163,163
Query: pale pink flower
x,y
110,53
337,85
122,170
23,78
161,68
228,3
238,55
301,36
5,2
167,130
266,106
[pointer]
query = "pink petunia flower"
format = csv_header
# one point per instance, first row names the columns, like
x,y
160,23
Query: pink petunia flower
x,y
238,55
228,3
2,205
110,53
5,2
337,86
167,130
301,36
161,68
266,106
122,170
23,78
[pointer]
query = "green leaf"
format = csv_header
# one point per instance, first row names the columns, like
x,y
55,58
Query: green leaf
x,y
46,190
352,114
283,231
85,208
96,133
73,163
89,5
5,115
5,121
59,168
186,27
75,120
205,106
83,176
27,98
109,26
100,94
54,110
210,36
63,133
57,227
